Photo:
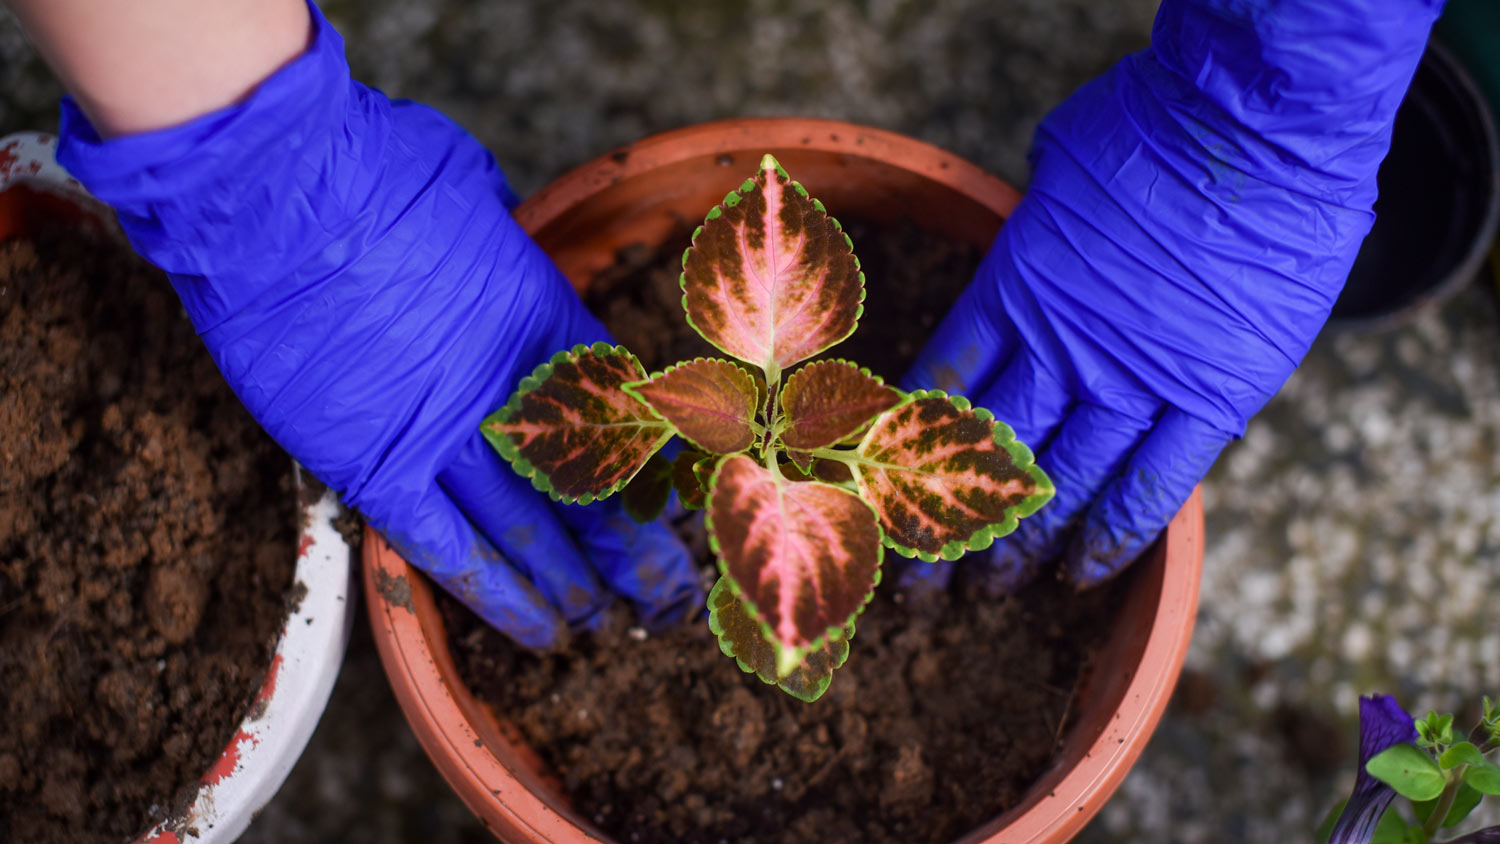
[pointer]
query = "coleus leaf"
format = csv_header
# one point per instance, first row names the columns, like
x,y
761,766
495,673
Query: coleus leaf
x,y
827,401
692,491
801,459
573,430
712,403
832,471
804,558
704,470
646,495
740,637
795,473
770,278
946,477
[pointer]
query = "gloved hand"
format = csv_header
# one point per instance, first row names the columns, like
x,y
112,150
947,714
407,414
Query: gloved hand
x,y
1192,218
353,268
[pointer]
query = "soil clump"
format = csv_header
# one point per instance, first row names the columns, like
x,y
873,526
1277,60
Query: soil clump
x,y
147,546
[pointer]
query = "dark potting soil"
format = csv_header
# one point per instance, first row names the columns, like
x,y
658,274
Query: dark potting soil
x,y
147,546
948,708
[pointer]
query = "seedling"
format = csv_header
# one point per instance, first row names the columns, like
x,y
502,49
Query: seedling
x,y
807,474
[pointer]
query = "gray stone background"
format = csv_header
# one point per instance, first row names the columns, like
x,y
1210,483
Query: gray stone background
x,y
1352,534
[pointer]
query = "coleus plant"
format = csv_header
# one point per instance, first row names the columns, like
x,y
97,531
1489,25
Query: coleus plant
x,y
807,474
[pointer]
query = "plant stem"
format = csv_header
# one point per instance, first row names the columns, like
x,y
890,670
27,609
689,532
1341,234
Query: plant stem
x,y
773,384
845,457
773,414
773,465
1445,801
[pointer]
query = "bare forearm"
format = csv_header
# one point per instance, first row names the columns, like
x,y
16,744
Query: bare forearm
x,y
147,64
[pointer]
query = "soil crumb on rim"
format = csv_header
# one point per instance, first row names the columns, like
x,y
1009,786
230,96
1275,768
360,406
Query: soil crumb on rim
x,y
395,590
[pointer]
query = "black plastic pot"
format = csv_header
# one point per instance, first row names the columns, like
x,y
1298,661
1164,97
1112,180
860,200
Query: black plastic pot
x,y
1439,202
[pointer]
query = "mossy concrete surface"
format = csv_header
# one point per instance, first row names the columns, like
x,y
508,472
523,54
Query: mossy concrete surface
x,y
1353,534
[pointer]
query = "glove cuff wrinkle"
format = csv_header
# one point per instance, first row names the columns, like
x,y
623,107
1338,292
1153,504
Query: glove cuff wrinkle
x,y
317,232
1311,85
283,189
187,195
1196,190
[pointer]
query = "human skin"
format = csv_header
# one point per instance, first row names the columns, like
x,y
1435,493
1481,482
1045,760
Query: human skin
x,y
141,65
284,291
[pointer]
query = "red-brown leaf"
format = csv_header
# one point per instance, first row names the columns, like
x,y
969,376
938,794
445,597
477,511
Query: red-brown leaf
x,y
946,478
804,557
829,400
712,403
573,430
770,278
740,636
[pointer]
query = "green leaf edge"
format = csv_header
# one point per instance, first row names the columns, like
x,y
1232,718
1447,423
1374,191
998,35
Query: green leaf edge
x,y
699,471
726,646
1484,779
511,451
630,389
796,455
1461,753
862,370
1418,759
1020,454
834,631
732,199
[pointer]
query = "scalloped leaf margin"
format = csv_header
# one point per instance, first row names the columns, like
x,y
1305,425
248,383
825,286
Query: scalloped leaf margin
x,y
572,430
946,477
712,403
803,558
770,278
740,637
828,401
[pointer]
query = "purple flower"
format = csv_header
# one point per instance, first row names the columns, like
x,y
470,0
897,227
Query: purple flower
x,y
1488,835
1382,723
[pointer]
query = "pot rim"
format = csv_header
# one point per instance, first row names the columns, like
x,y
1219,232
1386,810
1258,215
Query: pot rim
x,y
722,137
1441,63
310,646
486,762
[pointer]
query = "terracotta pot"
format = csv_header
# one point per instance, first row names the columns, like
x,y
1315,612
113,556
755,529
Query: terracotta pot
x,y
35,191
1439,205
641,194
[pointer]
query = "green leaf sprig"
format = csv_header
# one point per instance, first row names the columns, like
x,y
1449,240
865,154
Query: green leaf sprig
x,y
1444,775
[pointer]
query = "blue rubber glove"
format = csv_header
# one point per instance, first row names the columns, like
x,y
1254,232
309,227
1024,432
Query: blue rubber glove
x,y
1192,217
353,268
